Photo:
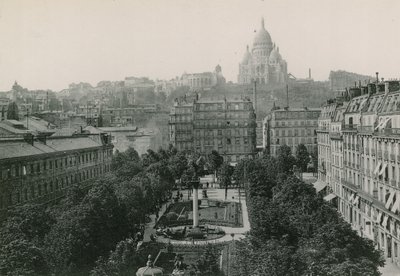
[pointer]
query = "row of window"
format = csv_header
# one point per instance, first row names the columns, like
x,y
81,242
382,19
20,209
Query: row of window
x,y
295,141
37,190
36,167
229,141
296,123
294,132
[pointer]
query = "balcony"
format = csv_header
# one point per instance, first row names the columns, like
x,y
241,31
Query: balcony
x,y
379,154
350,184
373,151
365,129
350,127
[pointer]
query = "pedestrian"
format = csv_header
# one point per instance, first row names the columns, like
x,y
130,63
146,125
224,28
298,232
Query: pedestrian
x,y
181,196
208,184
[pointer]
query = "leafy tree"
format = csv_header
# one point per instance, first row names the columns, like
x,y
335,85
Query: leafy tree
x,y
208,264
87,231
302,157
21,257
178,164
123,261
54,104
12,111
126,165
214,161
225,176
285,159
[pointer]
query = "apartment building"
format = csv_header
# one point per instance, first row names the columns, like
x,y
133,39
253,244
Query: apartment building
x,y
365,187
291,127
226,126
41,169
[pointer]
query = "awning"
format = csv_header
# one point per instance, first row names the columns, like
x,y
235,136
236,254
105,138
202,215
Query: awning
x,y
319,185
378,220
377,167
389,201
396,205
356,199
384,222
330,197
351,198
380,123
385,122
383,169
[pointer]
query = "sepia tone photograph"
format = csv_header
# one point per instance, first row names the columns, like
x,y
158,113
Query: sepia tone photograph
x,y
199,138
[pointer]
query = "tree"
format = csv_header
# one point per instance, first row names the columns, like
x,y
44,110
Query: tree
x,y
21,257
12,111
302,157
285,159
225,177
214,162
123,261
208,264
54,104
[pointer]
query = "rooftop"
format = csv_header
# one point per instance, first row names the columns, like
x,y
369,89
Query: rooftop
x,y
20,148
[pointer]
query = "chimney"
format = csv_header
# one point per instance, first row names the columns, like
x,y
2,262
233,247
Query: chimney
x,y
377,77
287,95
28,137
255,96
309,73
386,87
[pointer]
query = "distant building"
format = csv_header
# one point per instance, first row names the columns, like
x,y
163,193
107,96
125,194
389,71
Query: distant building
x,y
127,116
340,80
263,63
225,126
139,84
41,169
291,127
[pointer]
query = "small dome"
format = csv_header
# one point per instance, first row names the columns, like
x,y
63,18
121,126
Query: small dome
x,y
262,36
275,56
149,269
247,56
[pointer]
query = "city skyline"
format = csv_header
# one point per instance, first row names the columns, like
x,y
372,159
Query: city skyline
x,y
47,45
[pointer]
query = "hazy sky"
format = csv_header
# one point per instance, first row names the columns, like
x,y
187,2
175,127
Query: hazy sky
x,y
49,44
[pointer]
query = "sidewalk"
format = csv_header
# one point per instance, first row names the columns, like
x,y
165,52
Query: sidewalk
x,y
390,269
149,228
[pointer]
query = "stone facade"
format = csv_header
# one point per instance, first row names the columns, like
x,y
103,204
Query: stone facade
x,y
228,127
359,162
263,63
291,127
41,169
